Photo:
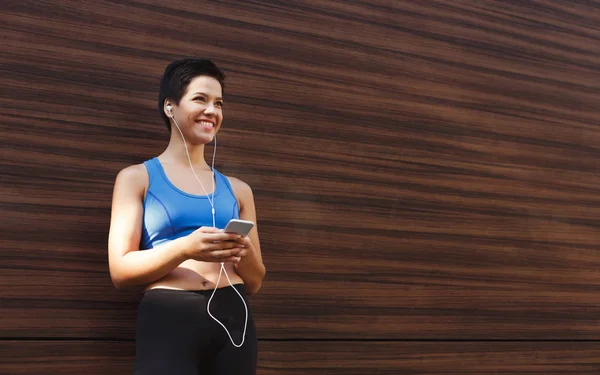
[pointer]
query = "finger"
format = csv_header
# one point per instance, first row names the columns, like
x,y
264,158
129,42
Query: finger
x,y
221,255
221,236
244,240
222,245
209,230
233,259
229,260
217,255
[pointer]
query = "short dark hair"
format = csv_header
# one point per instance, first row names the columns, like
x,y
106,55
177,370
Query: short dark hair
x,y
177,77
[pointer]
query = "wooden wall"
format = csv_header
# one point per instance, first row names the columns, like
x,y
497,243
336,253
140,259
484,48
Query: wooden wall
x,y
426,176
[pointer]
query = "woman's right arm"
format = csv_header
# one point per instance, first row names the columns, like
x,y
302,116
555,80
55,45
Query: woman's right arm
x,y
128,265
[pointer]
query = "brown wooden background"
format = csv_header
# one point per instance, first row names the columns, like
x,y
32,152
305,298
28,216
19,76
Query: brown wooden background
x,y
426,176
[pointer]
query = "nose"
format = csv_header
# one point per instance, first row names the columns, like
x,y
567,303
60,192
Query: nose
x,y
210,109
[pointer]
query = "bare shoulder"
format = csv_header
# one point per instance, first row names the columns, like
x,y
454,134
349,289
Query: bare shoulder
x,y
241,189
133,177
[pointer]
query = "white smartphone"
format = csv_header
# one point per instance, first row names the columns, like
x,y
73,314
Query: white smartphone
x,y
237,226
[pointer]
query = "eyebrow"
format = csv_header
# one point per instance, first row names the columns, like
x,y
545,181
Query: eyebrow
x,y
205,94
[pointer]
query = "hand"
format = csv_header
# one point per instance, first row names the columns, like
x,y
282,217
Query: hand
x,y
246,245
209,244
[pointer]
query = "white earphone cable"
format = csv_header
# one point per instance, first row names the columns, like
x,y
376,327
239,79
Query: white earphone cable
x,y
212,206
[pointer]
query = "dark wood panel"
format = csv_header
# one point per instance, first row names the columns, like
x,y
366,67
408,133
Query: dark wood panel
x,y
66,357
421,169
338,357
80,304
439,358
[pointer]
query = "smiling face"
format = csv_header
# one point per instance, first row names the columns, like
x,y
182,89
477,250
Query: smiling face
x,y
199,113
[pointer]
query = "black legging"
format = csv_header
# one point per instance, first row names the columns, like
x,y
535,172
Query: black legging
x,y
176,336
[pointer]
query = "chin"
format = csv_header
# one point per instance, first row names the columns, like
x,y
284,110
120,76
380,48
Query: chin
x,y
203,139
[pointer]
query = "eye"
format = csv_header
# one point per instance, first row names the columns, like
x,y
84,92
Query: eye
x,y
219,104
201,98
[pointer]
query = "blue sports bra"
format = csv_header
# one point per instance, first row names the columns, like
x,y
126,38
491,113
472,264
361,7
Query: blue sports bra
x,y
170,213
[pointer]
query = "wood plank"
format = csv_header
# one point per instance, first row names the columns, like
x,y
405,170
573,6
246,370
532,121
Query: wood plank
x,y
84,304
439,358
337,357
431,176
66,357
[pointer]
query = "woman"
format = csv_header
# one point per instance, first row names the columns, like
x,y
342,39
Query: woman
x,y
166,235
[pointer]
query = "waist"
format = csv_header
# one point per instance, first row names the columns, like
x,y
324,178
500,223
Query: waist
x,y
197,276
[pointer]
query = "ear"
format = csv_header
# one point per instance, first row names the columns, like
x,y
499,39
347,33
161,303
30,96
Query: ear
x,y
168,108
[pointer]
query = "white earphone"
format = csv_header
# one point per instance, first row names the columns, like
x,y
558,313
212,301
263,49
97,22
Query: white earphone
x,y
211,201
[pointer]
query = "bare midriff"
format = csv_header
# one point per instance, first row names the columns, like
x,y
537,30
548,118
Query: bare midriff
x,y
196,275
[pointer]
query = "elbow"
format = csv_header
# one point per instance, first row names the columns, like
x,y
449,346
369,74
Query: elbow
x,y
117,276
121,281
255,284
252,289
118,282
122,284
121,276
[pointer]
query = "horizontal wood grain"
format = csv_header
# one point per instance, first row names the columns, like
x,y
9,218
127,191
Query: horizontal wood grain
x,y
422,170
338,357
439,358
82,304
72,357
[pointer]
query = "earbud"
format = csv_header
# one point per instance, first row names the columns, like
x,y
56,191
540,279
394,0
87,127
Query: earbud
x,y
169,108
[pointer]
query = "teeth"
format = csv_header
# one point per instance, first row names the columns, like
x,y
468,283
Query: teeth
x,y
206,123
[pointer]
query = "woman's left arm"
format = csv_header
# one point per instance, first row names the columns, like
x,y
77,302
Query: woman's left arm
x,y
250,268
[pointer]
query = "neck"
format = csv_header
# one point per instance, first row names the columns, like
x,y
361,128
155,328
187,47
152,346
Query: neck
x,y
176,153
